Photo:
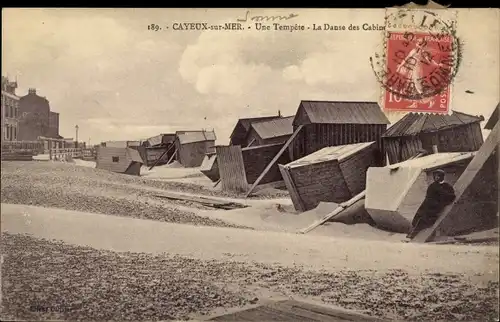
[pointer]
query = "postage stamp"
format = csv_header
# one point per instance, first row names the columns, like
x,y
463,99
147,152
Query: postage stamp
x,y
421,56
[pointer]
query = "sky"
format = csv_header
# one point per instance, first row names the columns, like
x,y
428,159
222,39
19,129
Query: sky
x,y
103,70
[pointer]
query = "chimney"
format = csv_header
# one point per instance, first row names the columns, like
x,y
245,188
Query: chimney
x,y
32,91
279,113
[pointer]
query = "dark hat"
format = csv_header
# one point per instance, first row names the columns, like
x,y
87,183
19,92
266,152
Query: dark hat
x,y
439,171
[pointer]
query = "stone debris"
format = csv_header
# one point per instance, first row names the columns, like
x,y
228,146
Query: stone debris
x,y
51,280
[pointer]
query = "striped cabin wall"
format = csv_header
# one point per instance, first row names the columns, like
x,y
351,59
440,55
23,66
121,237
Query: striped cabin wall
x,y
465,138
314,137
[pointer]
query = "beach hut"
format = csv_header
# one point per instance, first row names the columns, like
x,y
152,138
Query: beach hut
x,y
327,123
121,160
332,174
192,146
395,192
242,128
458,132
273,131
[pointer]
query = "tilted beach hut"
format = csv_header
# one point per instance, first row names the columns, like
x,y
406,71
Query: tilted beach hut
x,y
395,192
192,146
121,160
414,133
332,174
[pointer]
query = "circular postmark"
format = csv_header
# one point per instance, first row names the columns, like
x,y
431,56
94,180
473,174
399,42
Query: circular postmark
x,y
421,54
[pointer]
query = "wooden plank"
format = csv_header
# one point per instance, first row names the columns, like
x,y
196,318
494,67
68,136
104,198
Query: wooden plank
x,y
290,310
463,183
292,189
210,202
335,213
161,157
251,142
273,161
172,157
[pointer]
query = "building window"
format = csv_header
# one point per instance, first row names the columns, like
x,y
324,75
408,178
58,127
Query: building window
x,y
14,138
116,159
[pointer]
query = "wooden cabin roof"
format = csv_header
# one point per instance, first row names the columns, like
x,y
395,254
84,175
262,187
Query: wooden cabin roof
x,y
274,128
330,153
161,139
433,161
328,112
493,119
186,137
245,123
414,123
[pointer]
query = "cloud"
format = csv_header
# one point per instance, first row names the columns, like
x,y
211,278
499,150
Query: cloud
x,y
103,70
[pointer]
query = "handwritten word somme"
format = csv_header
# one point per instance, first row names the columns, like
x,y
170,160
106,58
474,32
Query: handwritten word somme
x,y
267,18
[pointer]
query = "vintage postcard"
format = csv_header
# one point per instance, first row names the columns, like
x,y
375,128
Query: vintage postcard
x,y
250,164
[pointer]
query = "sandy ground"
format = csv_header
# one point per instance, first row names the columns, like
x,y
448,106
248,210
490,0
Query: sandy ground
x,y
167,259
313,252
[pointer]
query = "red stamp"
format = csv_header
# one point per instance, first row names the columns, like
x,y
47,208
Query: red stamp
x,y
420,59
419,72
439,103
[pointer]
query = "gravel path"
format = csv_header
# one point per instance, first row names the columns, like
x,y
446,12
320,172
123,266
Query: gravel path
x,y
69,187
51,280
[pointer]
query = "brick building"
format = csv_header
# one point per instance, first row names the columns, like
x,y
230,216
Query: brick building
x,y
36,119
10,110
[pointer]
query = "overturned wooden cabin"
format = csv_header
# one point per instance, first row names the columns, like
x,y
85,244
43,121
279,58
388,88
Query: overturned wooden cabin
x,y
395,192
414,133
332,174
192,146
326,123
157,150
121,160
239,136
476,204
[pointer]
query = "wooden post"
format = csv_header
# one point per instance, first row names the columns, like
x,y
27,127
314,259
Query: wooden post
x,y
274,160
336,212
56,143
49,144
